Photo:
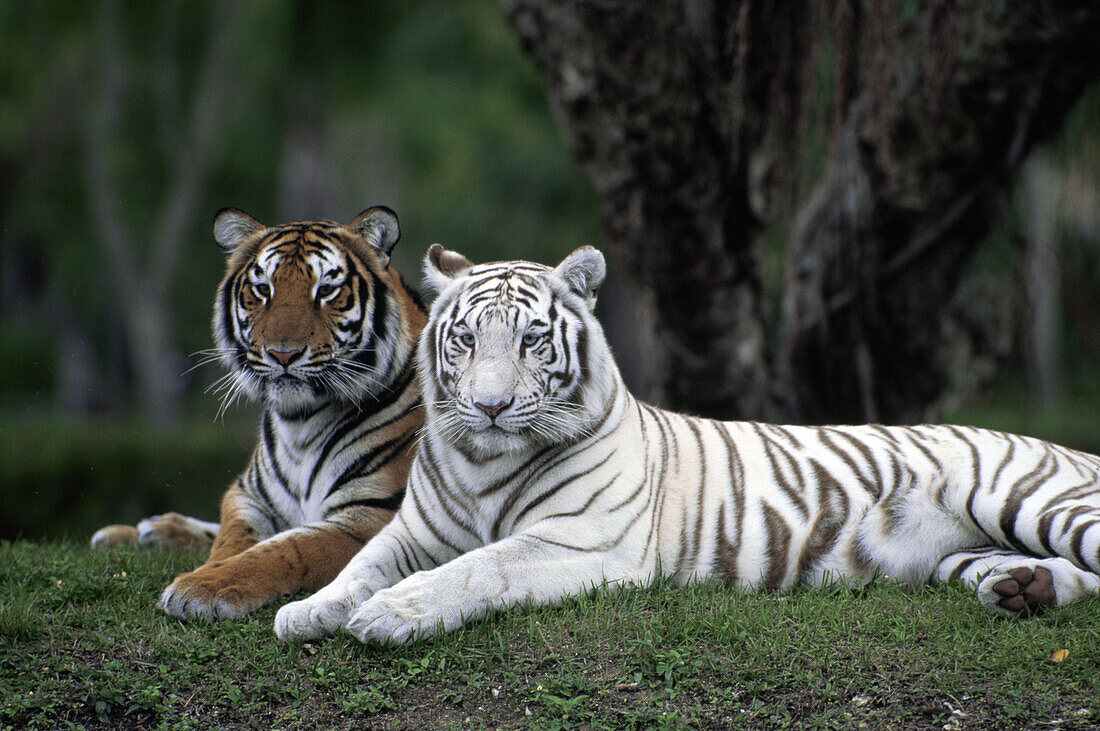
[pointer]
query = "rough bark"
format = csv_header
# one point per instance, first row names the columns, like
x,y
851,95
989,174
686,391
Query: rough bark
x,y
701,122
1041,336
651,133
948,107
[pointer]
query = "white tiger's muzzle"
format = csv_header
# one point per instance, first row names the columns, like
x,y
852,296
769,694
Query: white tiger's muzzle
x,y
490,393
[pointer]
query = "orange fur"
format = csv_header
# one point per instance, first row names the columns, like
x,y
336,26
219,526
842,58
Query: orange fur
x,y
311,320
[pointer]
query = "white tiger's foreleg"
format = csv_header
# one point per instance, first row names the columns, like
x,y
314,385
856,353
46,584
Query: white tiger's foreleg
x,y
1011,584
511,571
385,560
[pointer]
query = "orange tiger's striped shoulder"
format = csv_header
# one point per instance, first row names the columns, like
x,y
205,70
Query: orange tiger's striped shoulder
x,y
413,309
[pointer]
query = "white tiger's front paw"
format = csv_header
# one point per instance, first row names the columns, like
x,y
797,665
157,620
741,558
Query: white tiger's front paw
x,y
305,620
415,608
386,618
319,615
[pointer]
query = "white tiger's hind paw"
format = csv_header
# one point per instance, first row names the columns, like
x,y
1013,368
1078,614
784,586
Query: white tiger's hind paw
x,y
1020,591
1032,586
320,615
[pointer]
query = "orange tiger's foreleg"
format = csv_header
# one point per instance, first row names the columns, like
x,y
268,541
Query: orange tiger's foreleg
x,y
236,534
236,582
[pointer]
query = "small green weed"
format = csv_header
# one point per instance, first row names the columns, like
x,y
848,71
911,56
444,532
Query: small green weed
x,y
655,662
563,699
368,702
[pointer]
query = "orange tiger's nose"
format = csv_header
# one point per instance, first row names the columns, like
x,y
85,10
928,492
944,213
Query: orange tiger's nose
x,y
284,357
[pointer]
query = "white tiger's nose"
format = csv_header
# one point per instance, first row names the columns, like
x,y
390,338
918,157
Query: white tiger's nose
x,y
492,384
493,409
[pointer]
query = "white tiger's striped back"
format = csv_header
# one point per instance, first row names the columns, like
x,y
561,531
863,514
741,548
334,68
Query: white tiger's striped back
x,y
503,509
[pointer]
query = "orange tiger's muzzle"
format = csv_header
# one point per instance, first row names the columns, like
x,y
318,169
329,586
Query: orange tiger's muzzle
x,y
290,325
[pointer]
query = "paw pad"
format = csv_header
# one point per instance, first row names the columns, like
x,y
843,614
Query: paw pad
x,y
1027,591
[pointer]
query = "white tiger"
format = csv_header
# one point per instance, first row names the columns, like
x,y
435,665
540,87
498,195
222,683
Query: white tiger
x,y
539,476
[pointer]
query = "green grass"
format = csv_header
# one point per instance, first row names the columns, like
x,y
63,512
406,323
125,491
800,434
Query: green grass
x,y
81,645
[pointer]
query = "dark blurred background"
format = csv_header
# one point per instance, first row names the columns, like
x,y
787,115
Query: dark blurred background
x,y
125,126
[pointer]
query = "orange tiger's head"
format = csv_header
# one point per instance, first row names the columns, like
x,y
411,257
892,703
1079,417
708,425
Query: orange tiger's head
x,y
310,312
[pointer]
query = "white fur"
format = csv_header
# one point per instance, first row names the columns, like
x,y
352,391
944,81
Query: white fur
x,y
499,513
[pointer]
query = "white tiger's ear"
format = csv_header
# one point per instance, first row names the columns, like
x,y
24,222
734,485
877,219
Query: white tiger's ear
x,y
379,226
441,267
232,226
584,271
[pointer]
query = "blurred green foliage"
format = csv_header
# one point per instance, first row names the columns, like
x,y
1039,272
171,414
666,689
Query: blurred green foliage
x,y
67,477
430,108
1074,421
316,109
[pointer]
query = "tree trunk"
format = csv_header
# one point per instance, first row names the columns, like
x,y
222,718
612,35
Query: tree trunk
x,y
1042,332
701,125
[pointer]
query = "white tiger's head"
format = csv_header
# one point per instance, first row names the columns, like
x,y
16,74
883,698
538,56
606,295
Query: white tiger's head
x,y
512,357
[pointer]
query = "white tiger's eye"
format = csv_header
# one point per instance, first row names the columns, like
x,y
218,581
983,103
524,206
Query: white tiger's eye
x,y
467,339
531,339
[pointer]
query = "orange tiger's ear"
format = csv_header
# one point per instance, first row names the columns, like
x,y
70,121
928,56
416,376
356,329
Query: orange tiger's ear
x,y
584,271
441,267
232,226
379,226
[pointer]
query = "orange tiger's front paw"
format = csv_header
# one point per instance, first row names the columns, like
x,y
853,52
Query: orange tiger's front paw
x,y
209,593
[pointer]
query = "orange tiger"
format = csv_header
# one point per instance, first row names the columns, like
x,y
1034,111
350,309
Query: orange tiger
x,y
311,321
